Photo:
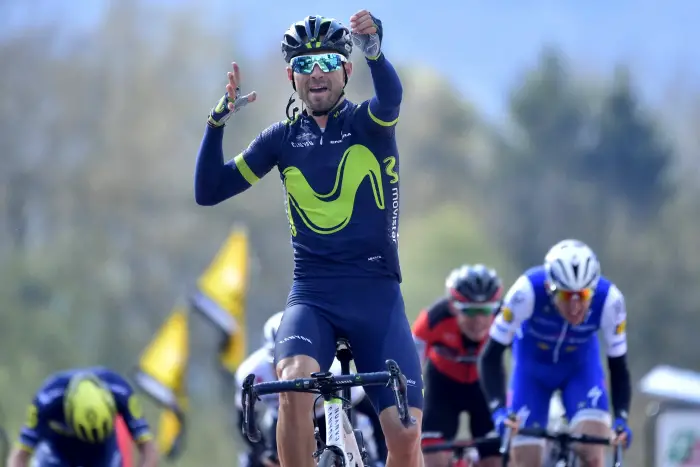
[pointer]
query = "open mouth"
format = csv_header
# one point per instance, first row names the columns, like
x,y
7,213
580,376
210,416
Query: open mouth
x,y
317,89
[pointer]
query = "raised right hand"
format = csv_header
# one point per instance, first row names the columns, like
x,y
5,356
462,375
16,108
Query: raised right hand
x,y
232,101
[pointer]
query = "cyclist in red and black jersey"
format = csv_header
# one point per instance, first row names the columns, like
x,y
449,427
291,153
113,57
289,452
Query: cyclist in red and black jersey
x,y
449,336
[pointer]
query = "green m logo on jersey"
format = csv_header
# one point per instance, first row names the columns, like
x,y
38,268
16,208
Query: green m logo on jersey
x,y
331,212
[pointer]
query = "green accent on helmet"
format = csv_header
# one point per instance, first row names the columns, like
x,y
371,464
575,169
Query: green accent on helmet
x,y
89,408
318,34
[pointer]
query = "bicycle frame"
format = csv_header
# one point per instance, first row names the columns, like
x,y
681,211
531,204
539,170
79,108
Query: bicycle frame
x,y
340,432
339,429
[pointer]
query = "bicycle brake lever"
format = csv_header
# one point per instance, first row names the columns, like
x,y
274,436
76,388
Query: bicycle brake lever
x,y
617,461
504,449
397,382
249,398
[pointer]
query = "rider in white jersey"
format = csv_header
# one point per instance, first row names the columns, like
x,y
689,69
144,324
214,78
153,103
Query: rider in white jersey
x,y
551,315
261,364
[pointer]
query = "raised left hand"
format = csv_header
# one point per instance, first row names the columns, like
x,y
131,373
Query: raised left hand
x,y
366,33
362,22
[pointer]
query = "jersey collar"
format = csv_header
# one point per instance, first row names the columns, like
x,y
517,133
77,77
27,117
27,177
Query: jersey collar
x,y
335,112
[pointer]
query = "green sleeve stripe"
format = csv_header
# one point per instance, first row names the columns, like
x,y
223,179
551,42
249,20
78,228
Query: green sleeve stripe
x,y
381,122
23,447
243,168
144,438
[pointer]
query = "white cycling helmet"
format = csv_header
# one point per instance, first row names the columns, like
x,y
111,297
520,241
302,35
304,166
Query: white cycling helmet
x,y
270,330
572,266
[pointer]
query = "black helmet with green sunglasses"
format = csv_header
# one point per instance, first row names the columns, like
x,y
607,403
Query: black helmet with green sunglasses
x,y
316,40
316,34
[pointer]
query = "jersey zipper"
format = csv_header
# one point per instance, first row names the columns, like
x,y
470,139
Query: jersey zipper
x,y
560,341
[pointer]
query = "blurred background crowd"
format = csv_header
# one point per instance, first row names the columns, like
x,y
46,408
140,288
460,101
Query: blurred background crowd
x,y
523,122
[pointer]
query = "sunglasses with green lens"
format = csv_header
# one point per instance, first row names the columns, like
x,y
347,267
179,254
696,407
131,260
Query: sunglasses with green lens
x,y
328,62
476,309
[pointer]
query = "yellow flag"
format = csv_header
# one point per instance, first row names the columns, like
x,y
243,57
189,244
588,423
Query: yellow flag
x,y
171,431
161,372
221,294
233,352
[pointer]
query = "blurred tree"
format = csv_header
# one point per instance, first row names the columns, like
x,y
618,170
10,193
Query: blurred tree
x,y
438,156
542,198
572,164
630,160
432,245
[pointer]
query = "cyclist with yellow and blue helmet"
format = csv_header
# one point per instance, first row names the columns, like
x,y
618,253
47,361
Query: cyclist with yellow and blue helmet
x,y
71,422
338,162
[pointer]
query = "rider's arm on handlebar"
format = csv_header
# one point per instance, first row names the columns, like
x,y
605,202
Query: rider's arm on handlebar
x,y
613,326
620,385
492,373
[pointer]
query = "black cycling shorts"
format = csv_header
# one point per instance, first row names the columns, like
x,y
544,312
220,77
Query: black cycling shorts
x,y
445,400
370,313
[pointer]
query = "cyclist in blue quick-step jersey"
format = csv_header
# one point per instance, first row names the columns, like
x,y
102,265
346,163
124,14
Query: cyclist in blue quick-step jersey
x,y
552,315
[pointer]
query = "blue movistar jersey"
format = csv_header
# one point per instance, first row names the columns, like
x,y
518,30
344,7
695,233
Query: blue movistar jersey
x,y
341,182
539,333
46,420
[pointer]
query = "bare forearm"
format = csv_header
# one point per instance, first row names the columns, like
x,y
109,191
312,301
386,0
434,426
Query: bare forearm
x,y
149,454
19,458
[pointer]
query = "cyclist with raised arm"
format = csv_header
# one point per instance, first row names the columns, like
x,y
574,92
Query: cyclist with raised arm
x,y
449,336
552,315
261,364
338,162
71,422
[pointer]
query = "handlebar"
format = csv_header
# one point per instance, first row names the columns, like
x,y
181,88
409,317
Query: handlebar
x,y
459,446
451,354
327,385
562,439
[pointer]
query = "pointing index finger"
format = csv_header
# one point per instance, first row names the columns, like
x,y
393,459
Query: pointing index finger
x,y
236,74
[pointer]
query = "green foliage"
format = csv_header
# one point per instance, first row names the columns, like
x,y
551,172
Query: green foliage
x,y
455,236
629,160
